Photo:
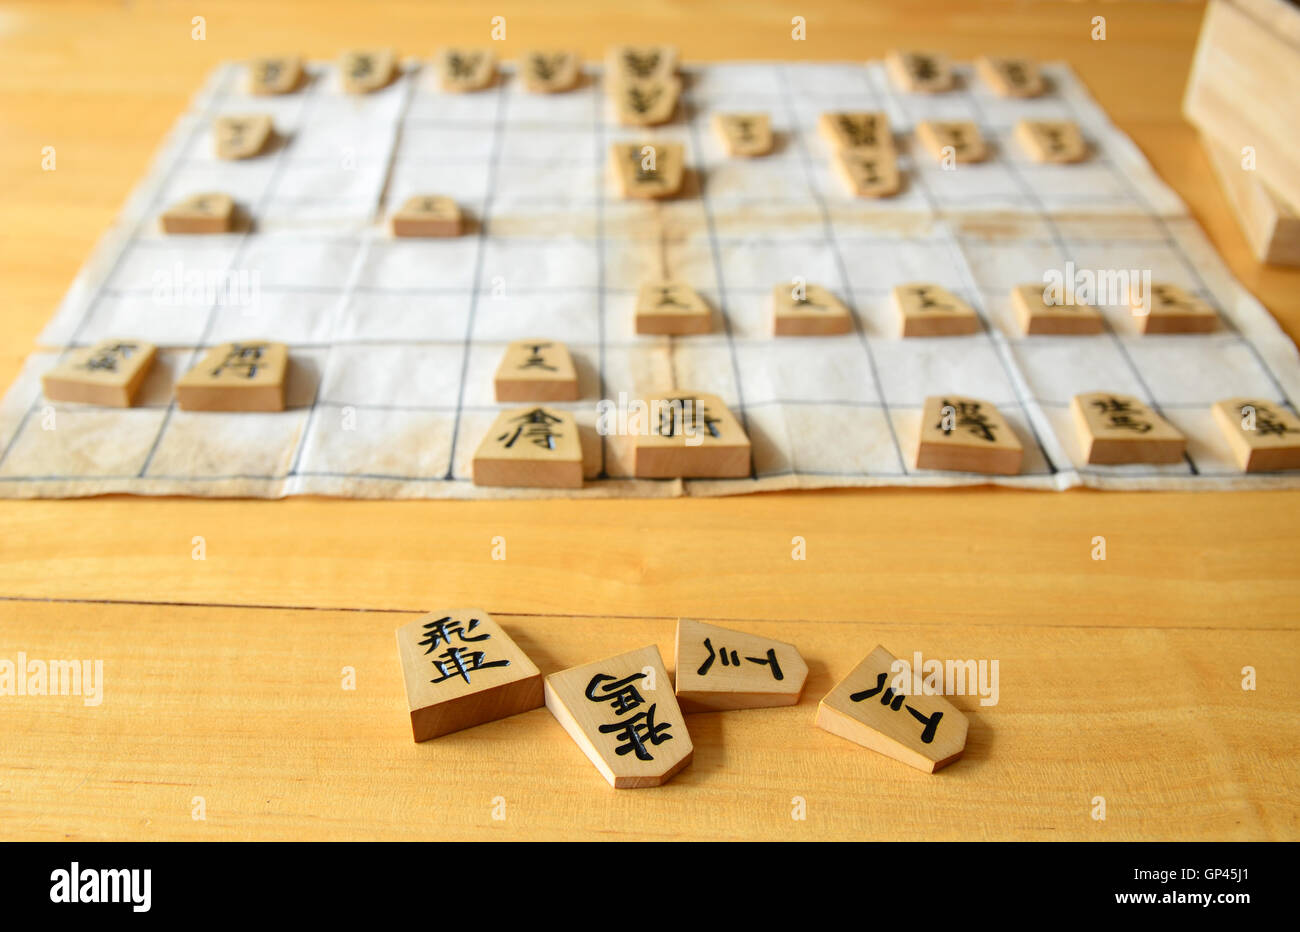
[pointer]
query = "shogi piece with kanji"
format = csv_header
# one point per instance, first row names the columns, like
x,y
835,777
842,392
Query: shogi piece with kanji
x,y
919,72
200,213
956,141
270,76
648,170
535,448
1264,437
926,310
868,172
855,129
800,310
366,70
624,717
248,376
461,70
1010,77
427,215
1038,318
868,708
744,134
1170,309
691,435
646,103
967,435
536,370
673,308
550,72
720,669
109,373
241,137
1117,429
1053,141
462,670
640,62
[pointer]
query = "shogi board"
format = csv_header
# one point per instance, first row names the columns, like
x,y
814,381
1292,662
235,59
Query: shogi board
x,y
394,341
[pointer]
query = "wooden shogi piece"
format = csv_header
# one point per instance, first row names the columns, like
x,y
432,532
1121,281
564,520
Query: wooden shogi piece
x,y
462,70
536,370
1052,141
462,670
813,312
639,63
925,732
927,310
674,308
855,129
1117,429
868,172
962,136
200,213
646,103
718,669
364,70
1173,310
428,215
1038,318
245,376
919,72
972,437
537,448
550,71
1010,77
744,134
665,180
623,715
109,373
691,435
241,137
1264,436
270,76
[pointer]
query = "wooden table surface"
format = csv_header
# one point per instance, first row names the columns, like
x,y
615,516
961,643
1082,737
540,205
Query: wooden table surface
x,y
224,677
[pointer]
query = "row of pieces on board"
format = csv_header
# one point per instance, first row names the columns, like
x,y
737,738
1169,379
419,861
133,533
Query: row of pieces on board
x,y
462,669
679,433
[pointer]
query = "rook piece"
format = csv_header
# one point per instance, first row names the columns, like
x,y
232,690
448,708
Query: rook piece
x,y
691,435
268,76
241,137
1121,429
648,170
547,72
200,213
462,670
669,307
1055,141
1264,436
919,72
1057,319
427,215
1010,77
1173,310
961,136
744,134
364,71
845,130
246,376
462,70
536,370
720,669
800,310
967,435
624,717
927,310
640,63
530,447
108,373
925,732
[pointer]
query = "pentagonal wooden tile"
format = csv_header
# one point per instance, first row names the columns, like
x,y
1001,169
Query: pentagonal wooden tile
x,y
1038,318
535,447
719,669
536,370
801,310
648,169
967,435
929,310
364,70
691,435
108,373
275,75
1263,435
245,376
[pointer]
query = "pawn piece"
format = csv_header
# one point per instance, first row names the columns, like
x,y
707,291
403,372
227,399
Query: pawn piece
x,y
364,71
427,215
536,370
967,435
462,670
624,717
550,72
200,213
927,310
1170,309
865,129
674,308
1264,437
957,140
269,76
649,170
646,103
241,137
1121,429
247,376
691,435
925,732
720,669
744,134
868,173
1010,77
108,373
535,448
1054,141
640,63
801,310
919,72
1057,319
461,70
